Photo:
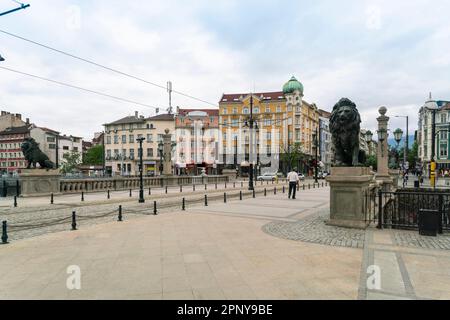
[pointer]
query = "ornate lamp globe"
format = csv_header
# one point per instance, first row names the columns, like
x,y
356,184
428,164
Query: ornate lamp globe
x,y
398,134
369,136
382,134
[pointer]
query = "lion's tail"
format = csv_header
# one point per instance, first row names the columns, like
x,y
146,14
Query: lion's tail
x,y
49,164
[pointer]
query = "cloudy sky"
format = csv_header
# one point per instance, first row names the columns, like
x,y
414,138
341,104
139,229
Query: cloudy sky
x,y
375,52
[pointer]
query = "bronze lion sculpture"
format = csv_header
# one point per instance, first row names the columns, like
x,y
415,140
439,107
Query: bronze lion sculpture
x,y
33,155
345,127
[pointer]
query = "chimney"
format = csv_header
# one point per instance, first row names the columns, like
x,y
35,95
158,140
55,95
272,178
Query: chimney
x,y
19,116
27,121
3,113
136,114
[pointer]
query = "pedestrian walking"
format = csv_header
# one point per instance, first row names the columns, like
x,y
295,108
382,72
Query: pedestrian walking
x,y
293,179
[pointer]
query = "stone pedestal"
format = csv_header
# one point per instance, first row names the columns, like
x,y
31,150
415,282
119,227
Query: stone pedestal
x,y
347,196
39,182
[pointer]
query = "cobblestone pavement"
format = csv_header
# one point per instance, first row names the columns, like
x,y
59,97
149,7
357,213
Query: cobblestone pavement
x,y
314,229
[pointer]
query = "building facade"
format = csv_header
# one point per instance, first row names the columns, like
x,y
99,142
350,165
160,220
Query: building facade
x,y
12,159
283,118
11,120
326,155
122,146
441,110
197,139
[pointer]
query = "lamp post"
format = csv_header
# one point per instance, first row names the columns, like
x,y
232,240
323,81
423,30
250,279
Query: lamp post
x,y
398,134
369,137
406,147
433,144
141,170
251,123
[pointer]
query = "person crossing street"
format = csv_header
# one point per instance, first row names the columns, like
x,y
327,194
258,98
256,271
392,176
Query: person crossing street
x,y
293,179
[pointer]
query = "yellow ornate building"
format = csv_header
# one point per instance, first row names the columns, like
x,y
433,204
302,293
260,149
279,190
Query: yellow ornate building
x,y
286,119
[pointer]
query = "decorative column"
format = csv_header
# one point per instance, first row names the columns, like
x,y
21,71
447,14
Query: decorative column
x,y
167,153
383,154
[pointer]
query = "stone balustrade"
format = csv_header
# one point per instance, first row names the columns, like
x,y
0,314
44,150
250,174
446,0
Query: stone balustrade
x,y
125,183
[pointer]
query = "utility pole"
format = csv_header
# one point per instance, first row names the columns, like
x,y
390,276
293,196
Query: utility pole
x,y
315,164
141,170
22,6
169,90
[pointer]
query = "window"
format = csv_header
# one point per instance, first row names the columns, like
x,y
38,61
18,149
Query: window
x,y
108,139
268,110
443,118
149,137
443,150
108,153
443,135
160,137
124,139
116,139
52,146
269,135
224,111
65,148
234,122
150,152
75,149
278,108
131,138
131,153
245,111
51,139
234,110
256,110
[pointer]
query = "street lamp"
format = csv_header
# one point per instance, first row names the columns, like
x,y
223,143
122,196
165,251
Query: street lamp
x,y
382,135
251,124
141,169
433,144
405,152
398,135
369,136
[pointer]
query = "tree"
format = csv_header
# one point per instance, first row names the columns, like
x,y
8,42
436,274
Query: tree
x,y
94,156
70,162
292,154
371,161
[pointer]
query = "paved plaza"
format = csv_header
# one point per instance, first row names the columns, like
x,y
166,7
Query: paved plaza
x,y
251,249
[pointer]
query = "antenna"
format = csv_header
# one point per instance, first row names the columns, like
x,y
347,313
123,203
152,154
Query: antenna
x,y
169,90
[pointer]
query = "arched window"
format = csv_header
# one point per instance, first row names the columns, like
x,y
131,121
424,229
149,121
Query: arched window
x,y
256,110
245,111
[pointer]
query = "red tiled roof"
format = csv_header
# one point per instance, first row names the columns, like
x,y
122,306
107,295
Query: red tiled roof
x,y
265,96
210,112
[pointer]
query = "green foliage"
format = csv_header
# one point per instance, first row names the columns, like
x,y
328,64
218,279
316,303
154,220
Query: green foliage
x,y
371,161
70,162
94,156
292,154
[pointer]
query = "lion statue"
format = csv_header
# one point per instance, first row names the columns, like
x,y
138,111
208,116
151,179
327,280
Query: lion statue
x,y
33,155
344,127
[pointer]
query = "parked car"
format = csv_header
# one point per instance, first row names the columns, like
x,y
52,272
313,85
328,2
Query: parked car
x,y
267,177
322,175
301,176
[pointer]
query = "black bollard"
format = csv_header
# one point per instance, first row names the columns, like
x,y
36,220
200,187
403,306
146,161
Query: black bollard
x,y
74,221
17,188
5,189
149,191
216,186
120,213
15,201
4,232
109,195
206,187
309,186
275,190
234,185
131,193
181,188
254,193
183,205
224,197
206,200
240,195
193,187
51,198
242,184
284,189
303,187
155,211
166,189
265,192
82,196
225,185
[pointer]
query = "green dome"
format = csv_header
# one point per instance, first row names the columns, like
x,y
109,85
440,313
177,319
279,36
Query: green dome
x,y
292,85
